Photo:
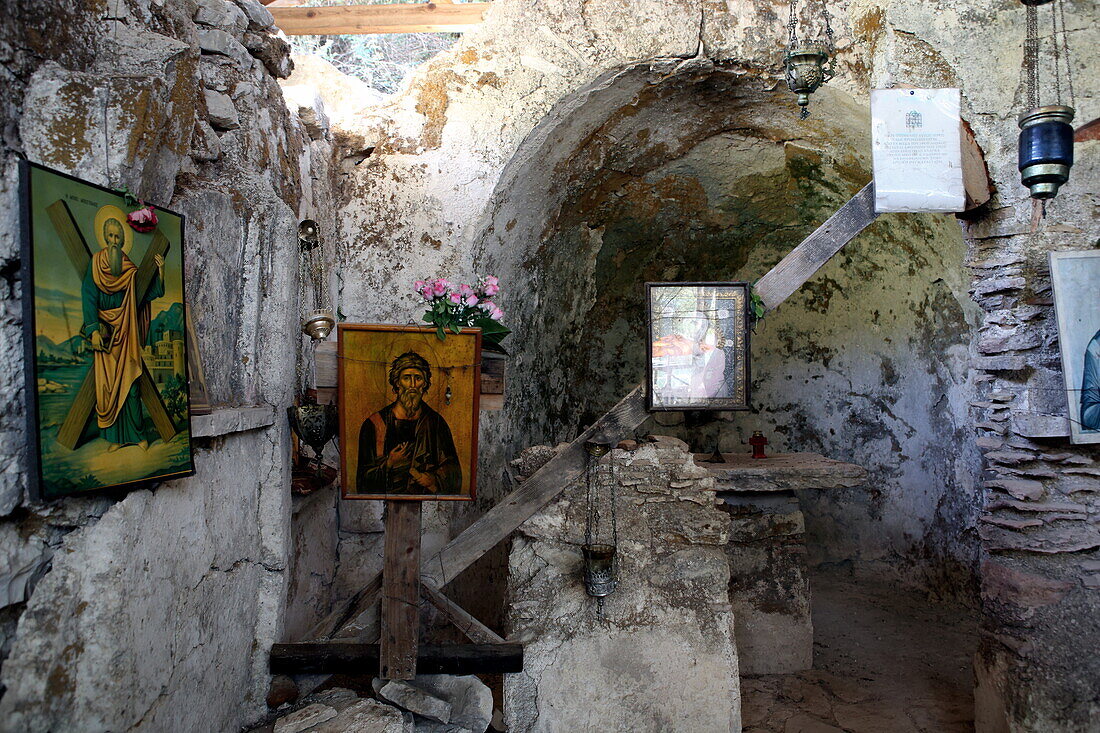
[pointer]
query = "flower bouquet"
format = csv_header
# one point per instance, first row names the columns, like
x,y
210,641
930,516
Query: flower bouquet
x,y
454,306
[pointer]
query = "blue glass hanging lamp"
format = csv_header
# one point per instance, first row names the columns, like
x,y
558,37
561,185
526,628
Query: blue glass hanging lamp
x,y
1046,135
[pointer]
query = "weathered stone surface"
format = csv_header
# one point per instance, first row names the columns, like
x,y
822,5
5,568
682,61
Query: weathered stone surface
x,y
22,564
782,472
259,17
221,14
306,103
304,719
532,459
213,40
272,51
415,700
369,716
663,656
220,110
470,699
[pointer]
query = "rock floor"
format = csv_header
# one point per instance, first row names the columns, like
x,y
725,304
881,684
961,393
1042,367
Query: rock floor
x,y
885,661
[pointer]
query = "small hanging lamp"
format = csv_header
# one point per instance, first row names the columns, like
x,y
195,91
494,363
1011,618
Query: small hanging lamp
x,y
810,63
317,321
600,541
1046,135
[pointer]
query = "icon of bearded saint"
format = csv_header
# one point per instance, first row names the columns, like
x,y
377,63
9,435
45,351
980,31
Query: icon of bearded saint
x,y
406,447
116,324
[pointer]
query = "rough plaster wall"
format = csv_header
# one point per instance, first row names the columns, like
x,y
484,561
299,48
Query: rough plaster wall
x,y
663,657
155,610
472,158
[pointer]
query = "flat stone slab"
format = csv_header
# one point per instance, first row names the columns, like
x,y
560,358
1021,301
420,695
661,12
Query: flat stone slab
x,y
781,472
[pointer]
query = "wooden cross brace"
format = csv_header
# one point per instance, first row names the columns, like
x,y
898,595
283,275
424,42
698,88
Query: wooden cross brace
x,y
79,416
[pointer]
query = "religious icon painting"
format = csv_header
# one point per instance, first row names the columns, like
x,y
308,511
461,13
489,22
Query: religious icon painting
x,y
697,349
1075,277
105,338
408,412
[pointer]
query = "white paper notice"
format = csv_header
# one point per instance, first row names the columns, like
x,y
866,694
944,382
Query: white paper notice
x,y
915,138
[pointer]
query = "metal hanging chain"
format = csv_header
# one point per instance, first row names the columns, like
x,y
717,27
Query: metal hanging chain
x,y
1057,56
792,25
589,481
828,28
613,488
1031,57
1061,10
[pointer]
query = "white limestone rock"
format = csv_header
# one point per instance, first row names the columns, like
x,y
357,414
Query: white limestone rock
x,y
305,101
470,699
304,719
414,699
22,564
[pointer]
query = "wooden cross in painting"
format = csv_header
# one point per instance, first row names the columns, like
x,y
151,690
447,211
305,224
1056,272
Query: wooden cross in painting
x,y
78,419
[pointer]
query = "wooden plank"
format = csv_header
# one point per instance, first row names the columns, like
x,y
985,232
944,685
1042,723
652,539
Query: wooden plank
x,y
71,239
400,591
80,413
162,421
976,183
364,19
338,657
474,630
815,250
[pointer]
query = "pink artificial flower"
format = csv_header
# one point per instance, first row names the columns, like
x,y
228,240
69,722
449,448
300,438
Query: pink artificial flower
x,y
466,290
422,289
455,297
143,220
470,300
495,313
439,287
491,289
491,280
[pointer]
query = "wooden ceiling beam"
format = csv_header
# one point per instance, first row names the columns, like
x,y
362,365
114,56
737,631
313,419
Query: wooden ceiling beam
x,y
443,17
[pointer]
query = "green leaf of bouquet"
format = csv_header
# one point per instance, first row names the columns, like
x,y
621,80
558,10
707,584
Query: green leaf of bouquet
x,y
440,333
455,328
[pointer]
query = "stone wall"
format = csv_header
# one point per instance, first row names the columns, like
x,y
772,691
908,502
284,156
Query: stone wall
x,y
532,117
662,658
154,610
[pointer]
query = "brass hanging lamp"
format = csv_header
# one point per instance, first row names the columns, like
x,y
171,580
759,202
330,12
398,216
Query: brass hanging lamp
x,y
810,62
1046,135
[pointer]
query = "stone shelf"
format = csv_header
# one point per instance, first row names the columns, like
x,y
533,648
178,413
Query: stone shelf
x,y
781,472
225,420
769,587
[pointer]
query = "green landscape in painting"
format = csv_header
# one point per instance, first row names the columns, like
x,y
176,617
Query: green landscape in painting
x,y
109,362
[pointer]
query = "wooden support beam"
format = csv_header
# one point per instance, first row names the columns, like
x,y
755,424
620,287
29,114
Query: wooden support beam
x,y
474,630
550,480
400,591
815,250
443,17
335,657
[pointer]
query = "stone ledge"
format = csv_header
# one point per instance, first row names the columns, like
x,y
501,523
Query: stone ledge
x,y
1040,426
225,420
781,472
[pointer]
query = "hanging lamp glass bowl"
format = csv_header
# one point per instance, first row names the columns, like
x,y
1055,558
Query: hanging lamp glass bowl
x,y
808,67
1046,149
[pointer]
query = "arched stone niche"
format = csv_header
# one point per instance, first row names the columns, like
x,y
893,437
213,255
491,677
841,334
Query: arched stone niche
x,y
691,171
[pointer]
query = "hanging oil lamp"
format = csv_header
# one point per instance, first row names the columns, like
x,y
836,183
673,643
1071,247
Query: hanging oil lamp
x,y
314,424
810,63
600,541
317,321
1046,135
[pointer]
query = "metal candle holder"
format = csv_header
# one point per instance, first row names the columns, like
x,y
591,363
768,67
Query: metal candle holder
x,y
600,566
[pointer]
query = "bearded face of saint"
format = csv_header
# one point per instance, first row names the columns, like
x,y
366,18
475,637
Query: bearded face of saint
x,y
410,388
113,235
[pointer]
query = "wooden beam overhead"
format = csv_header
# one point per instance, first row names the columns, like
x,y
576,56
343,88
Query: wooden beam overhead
x,y
359,659
443,17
